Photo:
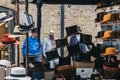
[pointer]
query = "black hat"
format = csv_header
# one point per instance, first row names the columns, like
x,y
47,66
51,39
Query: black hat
x,y
100,34
100,16
61,42
73,49
53,54
87,39
72,30
64,61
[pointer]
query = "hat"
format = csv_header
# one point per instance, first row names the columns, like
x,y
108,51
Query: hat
x,y
107,34
72,30
106,18
7,40
18,73
87,39
52,54
64,61
115,34
4,17
74,49
26,22
51,32
61,42
100,34
5,63
16,32
109,51
100,16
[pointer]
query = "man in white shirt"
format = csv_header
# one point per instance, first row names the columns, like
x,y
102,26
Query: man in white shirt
x,y
50,44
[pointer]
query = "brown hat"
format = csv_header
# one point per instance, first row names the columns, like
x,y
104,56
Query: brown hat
x,y
107,34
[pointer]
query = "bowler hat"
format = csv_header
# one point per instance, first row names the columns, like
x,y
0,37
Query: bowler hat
x,y
109,51
61,42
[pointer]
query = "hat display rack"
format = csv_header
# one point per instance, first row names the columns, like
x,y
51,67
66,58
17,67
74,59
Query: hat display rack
x,y
110,36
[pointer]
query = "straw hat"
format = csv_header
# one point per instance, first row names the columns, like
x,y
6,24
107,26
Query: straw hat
x,y
51,32
5,63
109,51
18,73
107,34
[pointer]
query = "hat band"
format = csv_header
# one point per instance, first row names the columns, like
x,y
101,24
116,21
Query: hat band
x,y
2,65
18,75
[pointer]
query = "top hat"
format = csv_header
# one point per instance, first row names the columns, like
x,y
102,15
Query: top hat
x,y
52,54
106,18
26,22
64,61
100,34
72,30
87,39
107,34
18,73
61,42
109,51
74,49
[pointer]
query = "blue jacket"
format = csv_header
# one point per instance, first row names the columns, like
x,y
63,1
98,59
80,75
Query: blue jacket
x,y
34,48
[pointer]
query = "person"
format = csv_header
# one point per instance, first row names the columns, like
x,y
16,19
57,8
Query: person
x,y
34,48
77,38
50,44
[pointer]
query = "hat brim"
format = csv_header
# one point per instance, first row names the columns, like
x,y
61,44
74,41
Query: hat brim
x,y
105,54
19,78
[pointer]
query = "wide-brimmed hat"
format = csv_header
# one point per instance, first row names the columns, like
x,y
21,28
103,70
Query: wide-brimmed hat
x,y
106,18
4,17
107,34
100,16
8,40
100,34
18,73
51,32
61,42
109,51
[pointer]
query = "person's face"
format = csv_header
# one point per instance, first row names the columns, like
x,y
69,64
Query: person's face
x,y
34,34
51,36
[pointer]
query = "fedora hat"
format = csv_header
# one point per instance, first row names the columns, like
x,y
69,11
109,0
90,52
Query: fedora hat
x,y
87,39
61,42
100,34
7,40
51,32
100,16
4,17
107,34
72,30
106,18
5,63
18,73
109,51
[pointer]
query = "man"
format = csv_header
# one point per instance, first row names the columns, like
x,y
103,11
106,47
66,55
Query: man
x,y
49,44
34,48
77,38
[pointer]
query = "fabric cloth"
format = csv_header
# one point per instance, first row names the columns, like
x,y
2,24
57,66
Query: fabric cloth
x,y
47,46
33,48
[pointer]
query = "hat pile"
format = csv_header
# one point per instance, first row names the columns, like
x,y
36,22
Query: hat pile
x,y
109,51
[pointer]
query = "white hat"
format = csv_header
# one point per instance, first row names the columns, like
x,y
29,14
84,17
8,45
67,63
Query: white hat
x,y
4,17
51,32
5,63
18,73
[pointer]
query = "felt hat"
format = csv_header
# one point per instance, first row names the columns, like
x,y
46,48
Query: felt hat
x,y
109,51
18,73
107,34
61,42
100,34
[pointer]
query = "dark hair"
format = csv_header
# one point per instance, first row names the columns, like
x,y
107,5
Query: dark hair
x,y
34,30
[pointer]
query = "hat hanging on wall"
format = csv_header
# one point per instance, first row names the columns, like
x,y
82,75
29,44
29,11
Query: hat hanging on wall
x,y
61,42
100,16
110,51
72,30
106,18
64,61
100,34
107,34
73,49
52,54
26,22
